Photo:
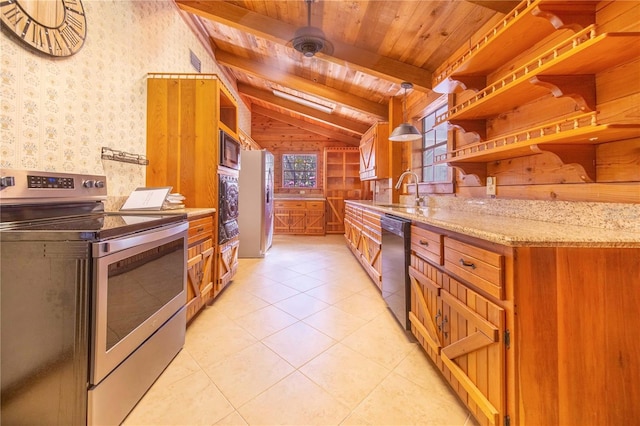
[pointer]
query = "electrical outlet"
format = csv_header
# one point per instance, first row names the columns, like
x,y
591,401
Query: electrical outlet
x,y
491,185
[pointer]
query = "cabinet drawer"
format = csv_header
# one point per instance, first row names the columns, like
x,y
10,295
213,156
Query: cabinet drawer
x,y
200,229
482,268
315,205
427,244
289,204
371,220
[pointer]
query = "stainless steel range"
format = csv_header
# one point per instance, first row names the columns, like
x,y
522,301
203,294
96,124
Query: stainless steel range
x,y
92,303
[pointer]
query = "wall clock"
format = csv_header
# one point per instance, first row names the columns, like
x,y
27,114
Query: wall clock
x,y
53,27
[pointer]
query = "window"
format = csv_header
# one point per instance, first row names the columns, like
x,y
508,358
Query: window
x,y
434,142
299,170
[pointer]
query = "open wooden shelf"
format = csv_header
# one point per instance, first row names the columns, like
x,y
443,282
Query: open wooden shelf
x,y
562,138
579,56
528,23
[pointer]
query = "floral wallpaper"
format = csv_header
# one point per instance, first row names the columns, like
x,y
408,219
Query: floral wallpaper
x,y
57,113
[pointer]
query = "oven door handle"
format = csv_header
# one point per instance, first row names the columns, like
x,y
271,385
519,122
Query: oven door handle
x,y
146,237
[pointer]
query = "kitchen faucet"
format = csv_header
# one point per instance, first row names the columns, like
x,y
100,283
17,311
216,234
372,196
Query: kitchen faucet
x,y
419,199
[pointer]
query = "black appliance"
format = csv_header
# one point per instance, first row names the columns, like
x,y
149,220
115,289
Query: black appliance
x,y
227,207
229,151
92,303
396,233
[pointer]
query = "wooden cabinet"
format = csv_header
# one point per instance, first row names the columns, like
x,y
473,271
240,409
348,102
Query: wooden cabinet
x,y
298,217
460,329
374,153
184,116
515,329
227,264
341,181
200,255
363,233
559,74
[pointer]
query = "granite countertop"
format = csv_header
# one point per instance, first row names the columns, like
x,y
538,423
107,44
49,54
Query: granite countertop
x,y
511,231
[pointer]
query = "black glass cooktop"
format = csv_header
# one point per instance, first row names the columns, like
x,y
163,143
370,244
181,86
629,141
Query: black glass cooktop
x,y
94,227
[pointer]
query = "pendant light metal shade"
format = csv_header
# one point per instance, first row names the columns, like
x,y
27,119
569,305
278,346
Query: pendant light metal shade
x,y
405,132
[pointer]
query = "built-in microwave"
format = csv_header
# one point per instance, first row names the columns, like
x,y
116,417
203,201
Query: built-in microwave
x,y
229,151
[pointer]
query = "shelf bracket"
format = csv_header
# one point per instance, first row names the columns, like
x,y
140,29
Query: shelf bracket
x,y
459,83
582,157
580,88
571,16
473,130
473,174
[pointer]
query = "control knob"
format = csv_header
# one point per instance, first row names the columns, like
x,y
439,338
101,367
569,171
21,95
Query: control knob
x,y
99,184
6,181
89,183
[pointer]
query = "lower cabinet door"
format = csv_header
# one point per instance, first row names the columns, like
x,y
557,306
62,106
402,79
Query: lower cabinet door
x,y
463,333
281,222
471,330
227,264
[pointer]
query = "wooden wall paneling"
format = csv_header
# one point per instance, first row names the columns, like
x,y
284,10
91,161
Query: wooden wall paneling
x,y
618,16
599,192
282,138
619,161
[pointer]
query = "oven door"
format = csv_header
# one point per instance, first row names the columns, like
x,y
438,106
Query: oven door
x,y
139,284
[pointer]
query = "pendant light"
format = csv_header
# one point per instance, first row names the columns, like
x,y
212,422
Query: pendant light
x,y
405,132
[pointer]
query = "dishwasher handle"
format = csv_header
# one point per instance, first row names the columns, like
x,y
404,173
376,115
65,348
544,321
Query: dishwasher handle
x,y
395,225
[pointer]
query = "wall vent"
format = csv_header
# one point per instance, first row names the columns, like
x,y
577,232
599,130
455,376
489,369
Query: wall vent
x,y
195,61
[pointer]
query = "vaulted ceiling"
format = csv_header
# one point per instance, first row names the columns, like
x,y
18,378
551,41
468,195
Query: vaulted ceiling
x,y
373,46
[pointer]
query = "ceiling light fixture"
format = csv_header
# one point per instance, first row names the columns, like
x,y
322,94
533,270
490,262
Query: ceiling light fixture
x,y
405,132
302,101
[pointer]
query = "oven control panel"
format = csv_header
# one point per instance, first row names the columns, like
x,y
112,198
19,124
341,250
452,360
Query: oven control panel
x,y
49,182
25,186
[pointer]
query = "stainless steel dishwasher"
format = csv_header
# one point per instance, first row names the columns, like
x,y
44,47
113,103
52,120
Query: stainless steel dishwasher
x,y
396,232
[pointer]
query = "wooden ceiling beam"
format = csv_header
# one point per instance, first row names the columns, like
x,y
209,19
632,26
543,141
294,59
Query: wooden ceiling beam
x,y
333,120
281,32
313,128
271,73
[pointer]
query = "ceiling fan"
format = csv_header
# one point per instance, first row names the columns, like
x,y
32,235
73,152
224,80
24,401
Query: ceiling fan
x,y
310,40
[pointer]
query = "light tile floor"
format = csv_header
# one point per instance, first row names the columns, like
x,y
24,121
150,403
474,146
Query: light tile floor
x,y
300,337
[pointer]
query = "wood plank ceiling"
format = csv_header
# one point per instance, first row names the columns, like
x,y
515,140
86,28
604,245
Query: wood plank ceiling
x,y
375,45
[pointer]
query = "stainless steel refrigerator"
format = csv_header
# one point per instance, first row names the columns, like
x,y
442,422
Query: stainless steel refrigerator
x,y
255,203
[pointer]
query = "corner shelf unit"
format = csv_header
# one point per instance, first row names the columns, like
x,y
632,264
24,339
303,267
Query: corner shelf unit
x,y
341,182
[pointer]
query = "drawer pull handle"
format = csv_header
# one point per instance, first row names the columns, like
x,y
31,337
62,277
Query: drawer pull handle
x,y
468,264
424,243
200,229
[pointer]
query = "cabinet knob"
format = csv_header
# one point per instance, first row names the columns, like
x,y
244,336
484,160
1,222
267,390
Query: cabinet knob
x,y
424,243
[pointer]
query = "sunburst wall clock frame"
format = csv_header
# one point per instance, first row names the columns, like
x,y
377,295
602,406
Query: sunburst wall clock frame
x,y
56,28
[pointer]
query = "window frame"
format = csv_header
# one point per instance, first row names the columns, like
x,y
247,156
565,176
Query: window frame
x,y
434,142
284,170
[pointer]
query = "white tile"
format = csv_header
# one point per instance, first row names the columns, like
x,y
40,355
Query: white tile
x,y
298,343
248,373
301,305
266,321
296,400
